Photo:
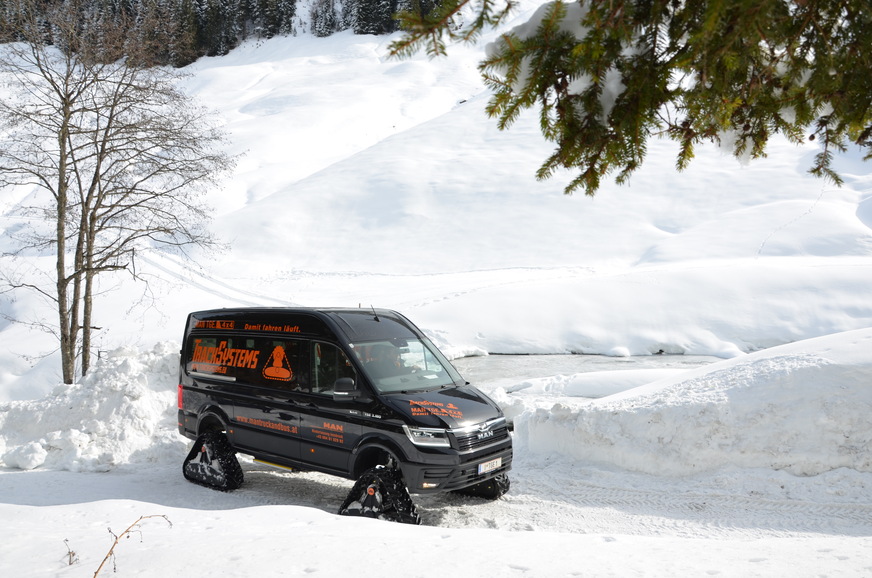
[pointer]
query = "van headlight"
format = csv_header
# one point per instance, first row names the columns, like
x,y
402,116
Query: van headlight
x,y
426,436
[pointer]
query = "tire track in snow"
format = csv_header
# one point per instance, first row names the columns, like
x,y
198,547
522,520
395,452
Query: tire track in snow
x,y
543,501
540,501
174,269
492,279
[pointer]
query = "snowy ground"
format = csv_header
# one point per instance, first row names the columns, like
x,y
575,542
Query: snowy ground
x,y
371,181
754,466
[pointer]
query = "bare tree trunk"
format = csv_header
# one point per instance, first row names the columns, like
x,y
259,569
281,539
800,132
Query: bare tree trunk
x,y
86,321
65,332
88,296
65,325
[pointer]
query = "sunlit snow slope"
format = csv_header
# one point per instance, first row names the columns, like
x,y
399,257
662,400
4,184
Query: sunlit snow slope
x,y
366,180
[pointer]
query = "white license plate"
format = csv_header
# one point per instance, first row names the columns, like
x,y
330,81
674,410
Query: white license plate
x,y
490,466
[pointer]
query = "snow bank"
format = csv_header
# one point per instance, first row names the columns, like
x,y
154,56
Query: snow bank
x,y
803,408
545,392
123,411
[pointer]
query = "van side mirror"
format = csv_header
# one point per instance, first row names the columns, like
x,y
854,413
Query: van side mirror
x,y
344,389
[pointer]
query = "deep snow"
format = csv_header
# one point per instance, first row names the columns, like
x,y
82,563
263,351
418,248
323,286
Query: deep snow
x,y
753,466
371,181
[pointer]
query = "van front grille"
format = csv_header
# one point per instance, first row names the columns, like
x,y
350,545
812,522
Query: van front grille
x,y
476,439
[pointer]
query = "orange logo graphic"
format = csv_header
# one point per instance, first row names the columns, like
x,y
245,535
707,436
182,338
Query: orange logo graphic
x,y
277,366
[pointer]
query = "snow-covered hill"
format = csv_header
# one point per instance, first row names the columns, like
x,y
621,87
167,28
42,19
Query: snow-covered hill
x,y
366,180
374,181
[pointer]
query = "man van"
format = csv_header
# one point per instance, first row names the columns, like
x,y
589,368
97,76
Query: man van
x,y
357,393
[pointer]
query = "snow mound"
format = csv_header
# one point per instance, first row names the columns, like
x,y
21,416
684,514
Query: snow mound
x,y
803,408
122,411
575,389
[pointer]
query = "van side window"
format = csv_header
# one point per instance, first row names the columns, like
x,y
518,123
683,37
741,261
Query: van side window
x,y
262,361
330,364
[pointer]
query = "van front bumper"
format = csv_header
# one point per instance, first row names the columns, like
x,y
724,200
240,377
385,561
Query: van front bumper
x,y
427,478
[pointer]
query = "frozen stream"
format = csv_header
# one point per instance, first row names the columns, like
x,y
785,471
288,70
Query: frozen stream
x,y
522,382
504,370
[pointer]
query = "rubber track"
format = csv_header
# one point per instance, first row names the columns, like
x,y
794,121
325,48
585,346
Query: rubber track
x,y
396,503
212,463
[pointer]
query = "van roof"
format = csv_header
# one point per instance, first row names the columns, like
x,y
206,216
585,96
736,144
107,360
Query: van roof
x,y
348,324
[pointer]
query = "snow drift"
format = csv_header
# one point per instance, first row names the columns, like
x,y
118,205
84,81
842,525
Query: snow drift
x,y
802,408
123,411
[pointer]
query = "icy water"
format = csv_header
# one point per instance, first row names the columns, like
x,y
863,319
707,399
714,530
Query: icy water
x,y
496,368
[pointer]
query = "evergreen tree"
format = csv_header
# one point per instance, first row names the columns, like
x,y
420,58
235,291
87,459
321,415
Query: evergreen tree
x,y
285,12
324,18
277,16
155,31
413,8
347,13
182,46
250,18
219,26
373,17
607,76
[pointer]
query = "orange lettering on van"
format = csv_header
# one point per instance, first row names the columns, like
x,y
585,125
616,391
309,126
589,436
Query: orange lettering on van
x,y
224,356
214,324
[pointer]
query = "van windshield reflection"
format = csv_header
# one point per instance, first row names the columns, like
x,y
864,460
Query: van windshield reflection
x,y
404,365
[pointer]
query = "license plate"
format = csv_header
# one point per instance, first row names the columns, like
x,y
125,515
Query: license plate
x,y
490,466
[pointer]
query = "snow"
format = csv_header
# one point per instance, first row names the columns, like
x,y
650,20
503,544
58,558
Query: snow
x,y
791,408
367,180
761,462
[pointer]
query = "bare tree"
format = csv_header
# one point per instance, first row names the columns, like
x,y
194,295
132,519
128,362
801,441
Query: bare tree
x,y
117,156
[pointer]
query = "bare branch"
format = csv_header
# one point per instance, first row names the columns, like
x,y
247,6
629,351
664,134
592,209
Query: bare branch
x,y
119,158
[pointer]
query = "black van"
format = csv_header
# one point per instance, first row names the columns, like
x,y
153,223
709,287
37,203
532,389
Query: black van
x,y
358,393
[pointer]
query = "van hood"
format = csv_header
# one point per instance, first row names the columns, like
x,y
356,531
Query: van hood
x,y
449,408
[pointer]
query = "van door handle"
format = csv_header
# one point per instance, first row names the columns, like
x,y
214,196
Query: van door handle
x,y
286,416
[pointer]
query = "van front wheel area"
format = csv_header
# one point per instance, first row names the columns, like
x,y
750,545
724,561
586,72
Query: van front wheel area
x,y
381,493
212,462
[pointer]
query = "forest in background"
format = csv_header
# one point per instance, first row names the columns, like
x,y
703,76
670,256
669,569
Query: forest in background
x,y
177,32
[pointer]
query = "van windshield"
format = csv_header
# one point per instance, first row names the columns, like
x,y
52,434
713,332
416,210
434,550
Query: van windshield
x,y
404,365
